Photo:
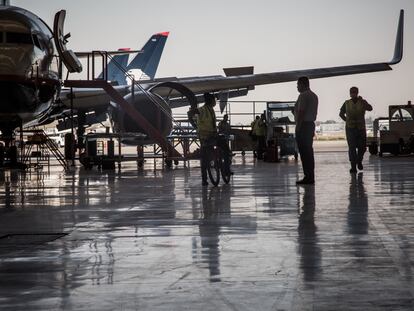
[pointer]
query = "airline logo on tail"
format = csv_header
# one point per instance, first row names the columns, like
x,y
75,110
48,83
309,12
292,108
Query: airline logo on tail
x,y
143,66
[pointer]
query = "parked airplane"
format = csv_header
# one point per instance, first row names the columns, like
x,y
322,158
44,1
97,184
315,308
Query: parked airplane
x,y
30,78
143,66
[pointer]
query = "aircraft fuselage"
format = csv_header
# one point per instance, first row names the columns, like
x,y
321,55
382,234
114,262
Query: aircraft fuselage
x,y
29,77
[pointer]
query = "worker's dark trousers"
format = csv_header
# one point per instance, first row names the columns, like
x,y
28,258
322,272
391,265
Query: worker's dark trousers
x,y
223,143
206,151
261,145
304,139
357,144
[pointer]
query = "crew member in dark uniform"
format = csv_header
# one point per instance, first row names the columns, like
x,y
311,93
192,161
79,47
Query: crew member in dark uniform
x,y
306,110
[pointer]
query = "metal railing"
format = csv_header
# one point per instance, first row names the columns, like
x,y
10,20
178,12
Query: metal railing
x,y
103,57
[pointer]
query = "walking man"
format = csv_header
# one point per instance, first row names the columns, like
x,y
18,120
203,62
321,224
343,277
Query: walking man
x,y
353,113
205,119
306,109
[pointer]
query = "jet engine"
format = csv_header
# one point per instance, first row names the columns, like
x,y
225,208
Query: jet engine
x,y
153,107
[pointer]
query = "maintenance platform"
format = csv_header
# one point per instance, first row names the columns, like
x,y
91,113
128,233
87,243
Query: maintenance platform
x,y
155,239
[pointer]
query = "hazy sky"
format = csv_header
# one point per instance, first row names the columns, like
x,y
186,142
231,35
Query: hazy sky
x,y
272,35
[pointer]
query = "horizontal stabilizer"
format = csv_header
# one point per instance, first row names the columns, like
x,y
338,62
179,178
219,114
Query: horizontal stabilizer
x,y
101,53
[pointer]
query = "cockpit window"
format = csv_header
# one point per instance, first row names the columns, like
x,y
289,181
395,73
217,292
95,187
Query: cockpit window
x,y
19,37
36,41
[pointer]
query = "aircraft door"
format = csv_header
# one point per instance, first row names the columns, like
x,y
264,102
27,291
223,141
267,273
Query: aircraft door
x,y
68,57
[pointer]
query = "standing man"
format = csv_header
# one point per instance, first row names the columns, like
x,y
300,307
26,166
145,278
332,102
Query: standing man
x,y
306,109
353,113
224,126
207,131
261,131
254,126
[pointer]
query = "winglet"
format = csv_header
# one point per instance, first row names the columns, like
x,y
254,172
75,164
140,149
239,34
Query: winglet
x,y
399,41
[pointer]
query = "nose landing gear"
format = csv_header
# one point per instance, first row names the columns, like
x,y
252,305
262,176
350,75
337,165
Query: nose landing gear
x,y
9,158
9,155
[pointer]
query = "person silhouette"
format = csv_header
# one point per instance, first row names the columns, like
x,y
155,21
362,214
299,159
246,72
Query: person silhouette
x,y
309,249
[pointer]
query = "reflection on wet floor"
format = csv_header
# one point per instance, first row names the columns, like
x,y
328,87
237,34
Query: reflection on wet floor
x,y
310,251
155,239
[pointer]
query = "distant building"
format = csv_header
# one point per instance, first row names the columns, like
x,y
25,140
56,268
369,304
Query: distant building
x,y
333,129
330,129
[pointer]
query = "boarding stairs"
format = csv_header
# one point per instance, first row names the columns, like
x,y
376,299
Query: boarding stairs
x,y
152,132
38,149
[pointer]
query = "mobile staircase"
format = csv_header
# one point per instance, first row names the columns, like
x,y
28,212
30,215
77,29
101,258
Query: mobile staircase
x,y
38,149
168,148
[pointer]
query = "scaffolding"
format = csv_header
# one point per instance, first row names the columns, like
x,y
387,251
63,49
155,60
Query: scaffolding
x,y
37,148
169,151
182,143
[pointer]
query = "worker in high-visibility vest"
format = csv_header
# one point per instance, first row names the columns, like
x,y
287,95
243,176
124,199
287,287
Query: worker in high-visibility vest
x,y
205,120
353,113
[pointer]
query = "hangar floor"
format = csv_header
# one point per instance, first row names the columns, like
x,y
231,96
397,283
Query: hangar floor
x,y
156,240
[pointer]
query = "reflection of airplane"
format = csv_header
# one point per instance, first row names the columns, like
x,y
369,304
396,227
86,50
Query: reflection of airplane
x,y
30,79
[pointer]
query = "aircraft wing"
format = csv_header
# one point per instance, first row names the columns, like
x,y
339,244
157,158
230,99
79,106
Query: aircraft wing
x,y
219,83
214,84
237,82
88,99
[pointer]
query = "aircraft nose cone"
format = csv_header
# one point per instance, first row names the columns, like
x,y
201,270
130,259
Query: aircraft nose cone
x,y
16,98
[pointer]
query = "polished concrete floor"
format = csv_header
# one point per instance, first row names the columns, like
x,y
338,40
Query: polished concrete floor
x,y
154,239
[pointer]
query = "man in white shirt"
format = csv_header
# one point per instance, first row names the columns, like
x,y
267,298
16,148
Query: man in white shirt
x,y
306,110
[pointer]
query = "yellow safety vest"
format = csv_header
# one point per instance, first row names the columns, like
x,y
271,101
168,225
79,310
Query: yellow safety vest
x,y
254,125
355,114
206,122
260,128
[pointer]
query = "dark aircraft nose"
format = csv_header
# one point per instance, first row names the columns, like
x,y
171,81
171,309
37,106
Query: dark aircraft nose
x,y
16,98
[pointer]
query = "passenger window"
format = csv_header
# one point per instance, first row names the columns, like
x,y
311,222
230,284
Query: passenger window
x,y
36,41
19,37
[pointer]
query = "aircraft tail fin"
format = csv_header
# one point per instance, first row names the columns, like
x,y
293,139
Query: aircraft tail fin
x,y
114,71
147,61
115,74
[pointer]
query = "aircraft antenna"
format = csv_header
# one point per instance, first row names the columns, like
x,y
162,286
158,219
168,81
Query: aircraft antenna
x,y
4,2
